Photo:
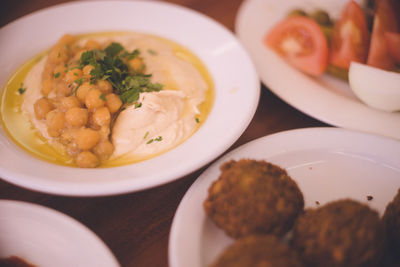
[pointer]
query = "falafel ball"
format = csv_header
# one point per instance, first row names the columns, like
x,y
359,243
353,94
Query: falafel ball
x,y
342,233
391,221
258,251
253,197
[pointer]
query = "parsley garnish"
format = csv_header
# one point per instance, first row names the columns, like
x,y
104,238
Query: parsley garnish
x,y
197,120
150,141
138,105
56,75
21,89
158,139
103,97
109,64
147,133
78,83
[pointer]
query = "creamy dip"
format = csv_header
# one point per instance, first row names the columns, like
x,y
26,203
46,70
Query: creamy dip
x,y
158,120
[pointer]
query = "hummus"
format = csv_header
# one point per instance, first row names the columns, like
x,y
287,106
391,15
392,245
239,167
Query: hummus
x,y
158,120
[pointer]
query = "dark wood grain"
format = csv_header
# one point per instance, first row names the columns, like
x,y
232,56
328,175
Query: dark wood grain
x,y
136,226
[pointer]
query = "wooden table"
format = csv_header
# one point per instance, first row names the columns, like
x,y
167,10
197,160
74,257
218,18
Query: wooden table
x,y
136,226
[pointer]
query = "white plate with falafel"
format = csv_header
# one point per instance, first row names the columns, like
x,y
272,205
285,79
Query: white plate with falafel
x,y
356,173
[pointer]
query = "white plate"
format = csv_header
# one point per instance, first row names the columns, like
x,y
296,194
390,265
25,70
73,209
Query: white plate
x,y
326,163
327,99
237,89
45,237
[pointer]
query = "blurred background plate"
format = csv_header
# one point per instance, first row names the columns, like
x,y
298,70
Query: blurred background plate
x,y
47,238
325,98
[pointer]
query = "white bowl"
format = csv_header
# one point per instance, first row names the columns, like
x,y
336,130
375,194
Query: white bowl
x,y
236,85
45,237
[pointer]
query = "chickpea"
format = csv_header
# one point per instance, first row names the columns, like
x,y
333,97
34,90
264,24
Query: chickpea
x,y
41,107
47,86
55,121
76,116
94,99
104,86
66,39
92,44
78,55
73,75
59,71
68,102
83,90
47,72
104,132
86,71
102,116
87,138
136,64
86,159
62,89
103,150
113,102
68,136
58,54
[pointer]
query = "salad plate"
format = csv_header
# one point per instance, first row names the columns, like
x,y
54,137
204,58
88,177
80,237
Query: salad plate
x,y
325,98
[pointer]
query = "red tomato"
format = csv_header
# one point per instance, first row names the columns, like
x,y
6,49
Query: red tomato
x,y
350,39
393,44
384,21
301,42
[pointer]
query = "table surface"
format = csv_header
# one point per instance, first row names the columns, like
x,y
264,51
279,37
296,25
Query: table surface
x,y
136,226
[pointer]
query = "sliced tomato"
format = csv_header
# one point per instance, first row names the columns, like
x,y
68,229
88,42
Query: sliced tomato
x,y
350,39
384,21
393,44
301,42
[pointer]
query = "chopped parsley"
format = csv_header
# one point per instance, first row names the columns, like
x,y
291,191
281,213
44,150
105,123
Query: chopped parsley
x,y
147,133
197,120
78,83
138,105
103,97
21,89
109,64
56,75
158,139
150,141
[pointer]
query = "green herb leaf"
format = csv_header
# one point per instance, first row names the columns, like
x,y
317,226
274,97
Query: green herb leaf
x,y
114,49
197,120
147,133
56,75
138,105
21,89
150,141
103,97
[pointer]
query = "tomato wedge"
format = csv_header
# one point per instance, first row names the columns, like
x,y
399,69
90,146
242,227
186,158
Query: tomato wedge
x,y
301,42
350,39
384,21
393,44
